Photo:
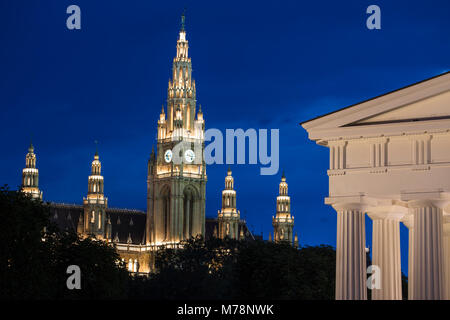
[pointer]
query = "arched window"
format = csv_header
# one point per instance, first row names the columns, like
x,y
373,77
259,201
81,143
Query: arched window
x,y
99,220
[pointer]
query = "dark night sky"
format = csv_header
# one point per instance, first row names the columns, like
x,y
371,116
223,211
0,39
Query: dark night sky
x,y
261,64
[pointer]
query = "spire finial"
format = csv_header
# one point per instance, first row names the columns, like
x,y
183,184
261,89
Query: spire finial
x,y
229,171
96,147
283,177
162,108
200,109
183,19
31,148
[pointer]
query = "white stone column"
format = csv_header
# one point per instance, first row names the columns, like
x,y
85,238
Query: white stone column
x,y
408,221
446,246
386,255
428,250
350,253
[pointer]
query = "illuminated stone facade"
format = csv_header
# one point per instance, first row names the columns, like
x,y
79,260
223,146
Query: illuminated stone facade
x,y
176,186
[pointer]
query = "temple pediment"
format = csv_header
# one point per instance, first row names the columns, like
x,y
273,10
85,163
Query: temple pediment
x,y
436,107
419,107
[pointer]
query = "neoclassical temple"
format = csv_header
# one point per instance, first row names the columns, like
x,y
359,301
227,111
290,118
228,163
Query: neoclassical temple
x,y
390,159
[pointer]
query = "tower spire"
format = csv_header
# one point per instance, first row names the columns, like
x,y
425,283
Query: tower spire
x,y
183,17
31,148
96,148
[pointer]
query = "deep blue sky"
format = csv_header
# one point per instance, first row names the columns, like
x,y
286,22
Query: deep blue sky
x,y
259,64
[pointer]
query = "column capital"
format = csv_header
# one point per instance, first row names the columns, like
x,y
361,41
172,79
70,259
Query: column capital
x,y
350,206
391,212
357,202
421,203
427,198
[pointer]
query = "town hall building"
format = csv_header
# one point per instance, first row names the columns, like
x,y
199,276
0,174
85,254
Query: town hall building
x,y
176,187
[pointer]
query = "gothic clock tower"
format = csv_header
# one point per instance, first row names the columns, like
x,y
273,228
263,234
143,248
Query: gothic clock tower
x,y
176,183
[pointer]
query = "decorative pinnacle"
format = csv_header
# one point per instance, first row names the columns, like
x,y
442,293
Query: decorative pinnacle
x,y
96,148
153,150
31,148
182,19
283,177
229,171
162,109
200,109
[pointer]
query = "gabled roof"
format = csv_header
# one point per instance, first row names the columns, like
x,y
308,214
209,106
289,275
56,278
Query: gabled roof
x,y
426,102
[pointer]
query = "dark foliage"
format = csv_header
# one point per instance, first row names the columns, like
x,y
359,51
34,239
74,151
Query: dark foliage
x,y
34,256
239,270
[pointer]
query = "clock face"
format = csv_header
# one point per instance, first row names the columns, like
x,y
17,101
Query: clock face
x,y
189,155
168,156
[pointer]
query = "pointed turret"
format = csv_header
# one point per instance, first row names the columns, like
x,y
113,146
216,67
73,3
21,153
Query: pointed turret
x,y
283,222
95,203
228,218
30,175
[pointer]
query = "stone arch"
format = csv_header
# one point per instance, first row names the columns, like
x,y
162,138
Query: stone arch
x,y
165,194
191,212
